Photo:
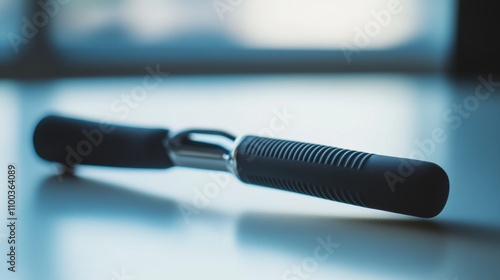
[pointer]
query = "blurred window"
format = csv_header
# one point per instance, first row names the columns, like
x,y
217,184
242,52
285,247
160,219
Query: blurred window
x,y
344,33
195,29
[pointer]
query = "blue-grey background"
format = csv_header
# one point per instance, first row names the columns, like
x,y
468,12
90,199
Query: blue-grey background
x,y
111,223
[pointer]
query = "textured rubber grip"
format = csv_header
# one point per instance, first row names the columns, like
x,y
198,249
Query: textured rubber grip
x,y
72,142
392,184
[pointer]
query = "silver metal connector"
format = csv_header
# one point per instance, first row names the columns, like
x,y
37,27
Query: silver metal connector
x,y
206,149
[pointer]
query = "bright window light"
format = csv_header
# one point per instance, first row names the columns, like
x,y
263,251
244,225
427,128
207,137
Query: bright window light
x,y
416,28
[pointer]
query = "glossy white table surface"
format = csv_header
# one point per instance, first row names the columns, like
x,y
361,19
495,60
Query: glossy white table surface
x,y
110,223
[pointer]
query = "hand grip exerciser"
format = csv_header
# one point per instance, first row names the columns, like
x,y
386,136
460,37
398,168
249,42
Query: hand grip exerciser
x,y
399,185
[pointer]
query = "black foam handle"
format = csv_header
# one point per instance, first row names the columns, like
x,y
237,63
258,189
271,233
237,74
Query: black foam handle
x,y
399,185
71,142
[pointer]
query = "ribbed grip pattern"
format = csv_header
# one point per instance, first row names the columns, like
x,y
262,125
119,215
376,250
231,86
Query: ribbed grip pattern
x,y
305,152
331,193
387,183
